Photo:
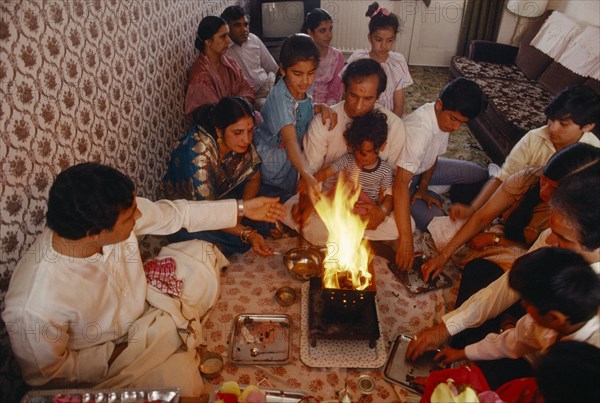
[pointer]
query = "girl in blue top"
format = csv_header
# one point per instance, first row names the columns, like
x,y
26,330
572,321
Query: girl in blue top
x,y
287,112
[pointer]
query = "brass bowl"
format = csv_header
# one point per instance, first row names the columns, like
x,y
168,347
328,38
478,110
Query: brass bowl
x,y
303,263
211,364
285,296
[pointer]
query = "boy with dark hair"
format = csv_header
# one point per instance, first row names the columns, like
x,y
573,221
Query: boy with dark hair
x,y
420,166
561,294
85,272
572,115
569,372
250,53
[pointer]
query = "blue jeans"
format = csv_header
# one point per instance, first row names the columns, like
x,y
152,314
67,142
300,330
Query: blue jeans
x,y
447,172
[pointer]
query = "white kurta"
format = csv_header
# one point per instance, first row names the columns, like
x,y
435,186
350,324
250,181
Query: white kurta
x,y
492,300
65,315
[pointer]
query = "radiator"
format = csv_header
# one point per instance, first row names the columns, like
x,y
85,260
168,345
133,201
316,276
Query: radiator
x,y
351,26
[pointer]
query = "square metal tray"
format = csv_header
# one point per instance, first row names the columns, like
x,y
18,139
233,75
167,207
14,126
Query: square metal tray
x,y
268,336
399,371
413,279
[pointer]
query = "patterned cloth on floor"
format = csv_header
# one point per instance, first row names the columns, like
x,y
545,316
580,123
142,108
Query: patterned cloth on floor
x,y
160,273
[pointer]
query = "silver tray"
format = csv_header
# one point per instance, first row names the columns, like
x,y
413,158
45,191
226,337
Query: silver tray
x,y
272,395
116,395
399,371
261,339
413,279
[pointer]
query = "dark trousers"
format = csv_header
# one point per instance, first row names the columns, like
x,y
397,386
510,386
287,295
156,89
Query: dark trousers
x,y
478,274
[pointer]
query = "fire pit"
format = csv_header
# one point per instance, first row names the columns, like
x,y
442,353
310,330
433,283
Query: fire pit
x,y
340,314
342,302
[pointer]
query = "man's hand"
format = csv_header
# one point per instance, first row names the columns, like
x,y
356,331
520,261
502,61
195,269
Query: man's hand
x,y
460,211
449,355
264,209
405,253
426,197
427,339
433,267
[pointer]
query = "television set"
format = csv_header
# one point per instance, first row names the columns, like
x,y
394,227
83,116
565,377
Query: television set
x,y
275,20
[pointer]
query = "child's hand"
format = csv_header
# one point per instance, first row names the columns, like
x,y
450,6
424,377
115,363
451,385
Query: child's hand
x,y
313,188
449,355
374,214
327,113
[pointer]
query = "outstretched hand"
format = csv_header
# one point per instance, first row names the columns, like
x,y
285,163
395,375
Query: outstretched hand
x,y
433,267
259,246
264,209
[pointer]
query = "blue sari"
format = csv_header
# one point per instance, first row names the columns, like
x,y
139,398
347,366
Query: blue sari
x,y
196,172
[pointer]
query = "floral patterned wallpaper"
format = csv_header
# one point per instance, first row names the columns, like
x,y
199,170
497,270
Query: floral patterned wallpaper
x,y
99,80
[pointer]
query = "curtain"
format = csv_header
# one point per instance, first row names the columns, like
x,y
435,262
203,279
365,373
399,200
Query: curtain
x,y
481,20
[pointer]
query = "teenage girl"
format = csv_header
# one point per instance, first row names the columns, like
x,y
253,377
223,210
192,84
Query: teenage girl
x,y
287,112
328,86
383,28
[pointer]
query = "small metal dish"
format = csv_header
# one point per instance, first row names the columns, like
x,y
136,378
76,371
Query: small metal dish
x,y
303,263
211,364
285,296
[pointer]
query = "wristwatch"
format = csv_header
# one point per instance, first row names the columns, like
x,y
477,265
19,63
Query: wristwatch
x,y
496,239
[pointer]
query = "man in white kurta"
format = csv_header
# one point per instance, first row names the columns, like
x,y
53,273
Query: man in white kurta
x,y
67,315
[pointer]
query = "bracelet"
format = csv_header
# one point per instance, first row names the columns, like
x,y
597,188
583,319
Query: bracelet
x,y
240,207
245,234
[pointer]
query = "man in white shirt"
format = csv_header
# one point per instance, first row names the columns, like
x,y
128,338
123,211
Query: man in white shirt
x,y
250,53
574,225
79,309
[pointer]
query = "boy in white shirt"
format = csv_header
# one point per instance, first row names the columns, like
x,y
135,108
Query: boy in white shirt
x,y
420,166
561,294
572,115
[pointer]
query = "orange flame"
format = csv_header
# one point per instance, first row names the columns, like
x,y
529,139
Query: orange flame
x,y
348,253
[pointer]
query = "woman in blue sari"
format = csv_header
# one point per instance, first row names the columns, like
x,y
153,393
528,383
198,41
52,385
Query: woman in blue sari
x,y
217,160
